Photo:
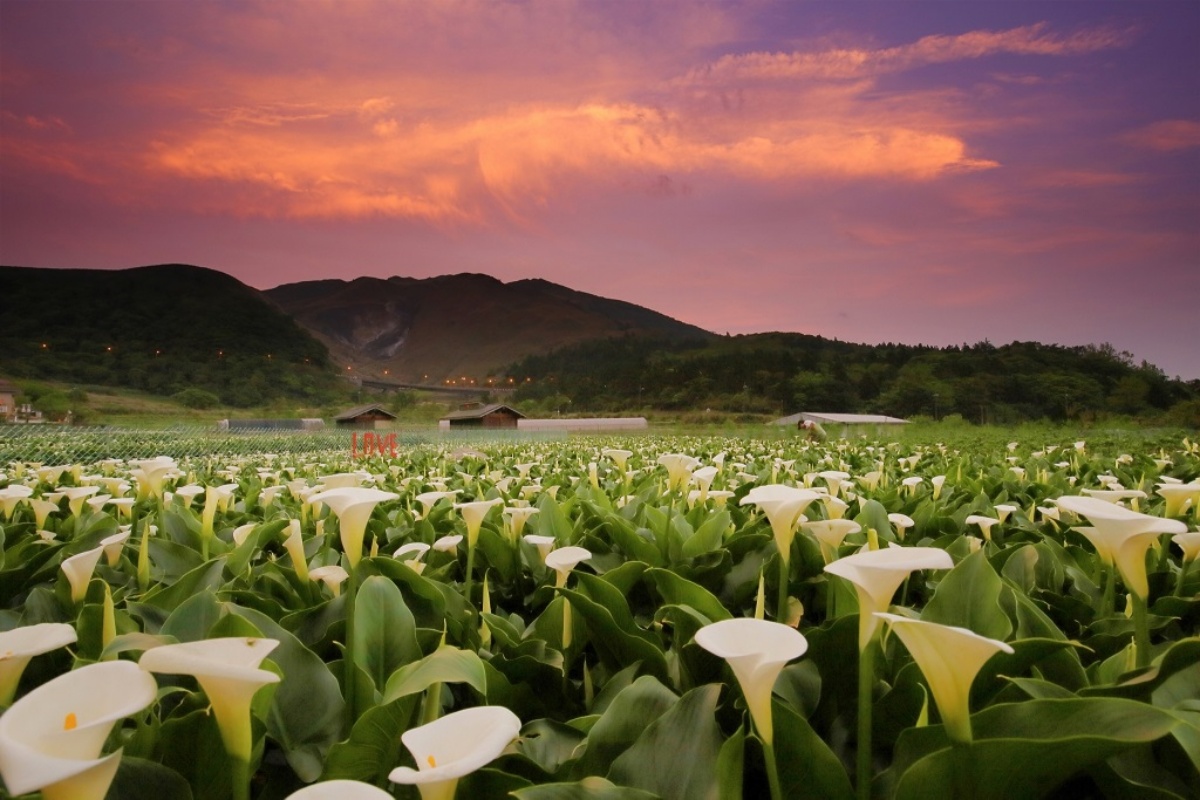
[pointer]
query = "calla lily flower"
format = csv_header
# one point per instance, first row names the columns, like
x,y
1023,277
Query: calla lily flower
x,y
429,499
621,457
985,524
453,746
544,544
829,533
79,568
112,545
517,517
1189,543
340,790
11,495
783,506
679,469
150,474
756,651
876,574
294,544
50,739
19,645
414,562
1178,496
937,481
41,510
447,544
227,670
950,658
473,514
564,559
1125,534
353,506
333,576
77,495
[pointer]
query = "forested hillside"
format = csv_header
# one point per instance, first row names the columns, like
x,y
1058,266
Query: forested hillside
x,y
163,329
782,373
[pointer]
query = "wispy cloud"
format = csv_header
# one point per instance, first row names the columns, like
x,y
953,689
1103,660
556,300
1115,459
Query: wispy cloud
x,y
1166,136
855,63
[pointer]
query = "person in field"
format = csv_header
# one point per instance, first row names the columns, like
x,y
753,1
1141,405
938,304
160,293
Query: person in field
x,y
815,432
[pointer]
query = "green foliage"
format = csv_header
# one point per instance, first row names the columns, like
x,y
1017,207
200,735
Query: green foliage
x,y
780,373
196,398
160,329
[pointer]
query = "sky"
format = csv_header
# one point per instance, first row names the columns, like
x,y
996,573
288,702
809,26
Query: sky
x,y
921,172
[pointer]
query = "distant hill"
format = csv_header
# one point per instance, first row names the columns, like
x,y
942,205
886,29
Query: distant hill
x,y
432,329
161,329
781,373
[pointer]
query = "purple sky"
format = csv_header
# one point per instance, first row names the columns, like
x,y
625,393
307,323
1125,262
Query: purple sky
x,y
930,172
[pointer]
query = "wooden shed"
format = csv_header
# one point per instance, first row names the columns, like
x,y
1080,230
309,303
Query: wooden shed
x,y
481,415
369,416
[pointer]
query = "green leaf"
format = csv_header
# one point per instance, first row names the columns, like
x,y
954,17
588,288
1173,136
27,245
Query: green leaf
x,y
374,747
207,576
590,788
549,744
385,633
139,779
445,665
193,619
1052,740
307,710
807,767
629,713
617,638
731,766
676,757
680,591
969,597
708,536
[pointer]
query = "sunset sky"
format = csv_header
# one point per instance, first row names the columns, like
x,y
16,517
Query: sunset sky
x,y
934,172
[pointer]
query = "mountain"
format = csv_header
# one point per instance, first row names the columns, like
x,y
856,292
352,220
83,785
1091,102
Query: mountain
x,y
453,326
161,329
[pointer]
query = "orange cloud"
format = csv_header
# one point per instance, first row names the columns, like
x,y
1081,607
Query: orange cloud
x,y
1166,136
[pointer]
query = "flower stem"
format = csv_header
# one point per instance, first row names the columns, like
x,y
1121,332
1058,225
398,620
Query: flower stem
x,y
772,770
781,609
349,676
866,682
1141,630
240,770
1108,600
470,571
1183,571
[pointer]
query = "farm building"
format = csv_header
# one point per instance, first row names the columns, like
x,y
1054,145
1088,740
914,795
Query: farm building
x,y
481,415
304,424
844,426
585,424
8,401
369,416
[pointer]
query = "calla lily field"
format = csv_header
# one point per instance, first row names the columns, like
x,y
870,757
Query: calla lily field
x,y
643,616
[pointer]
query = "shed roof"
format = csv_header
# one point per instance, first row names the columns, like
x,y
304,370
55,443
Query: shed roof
x,y
825,418
358,411
482,411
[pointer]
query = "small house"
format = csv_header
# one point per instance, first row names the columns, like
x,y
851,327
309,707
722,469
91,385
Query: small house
x,y
8,401
369,416
481,415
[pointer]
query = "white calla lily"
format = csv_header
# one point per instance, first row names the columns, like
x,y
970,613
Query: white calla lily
x,y
50,739
783,506
79,568
757,651
949,658
1125,534
19,645
454,746
341,789
353,506
227,670
876,574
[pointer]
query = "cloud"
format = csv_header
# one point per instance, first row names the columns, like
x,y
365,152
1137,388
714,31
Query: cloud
x,y
855,63
1166,136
